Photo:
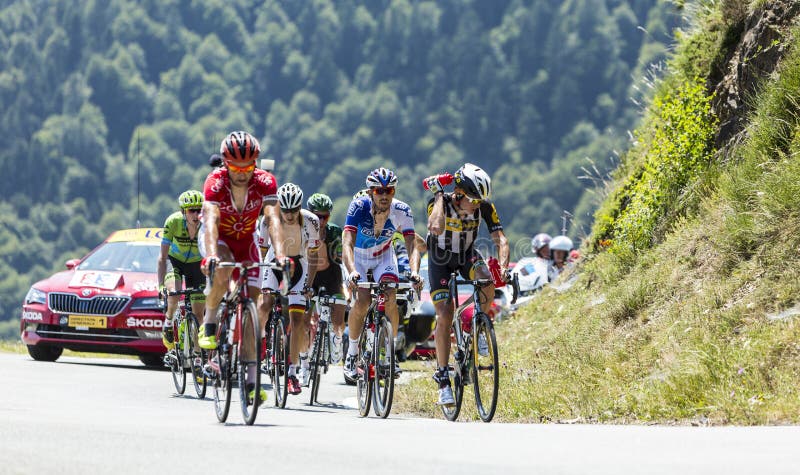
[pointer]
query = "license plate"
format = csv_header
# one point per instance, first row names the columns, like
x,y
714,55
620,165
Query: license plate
x,y
87,321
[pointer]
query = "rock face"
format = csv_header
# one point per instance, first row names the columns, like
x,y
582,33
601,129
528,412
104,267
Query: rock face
x,y
760,47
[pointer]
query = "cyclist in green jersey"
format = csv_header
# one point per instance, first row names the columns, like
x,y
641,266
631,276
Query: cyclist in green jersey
x,y
180,259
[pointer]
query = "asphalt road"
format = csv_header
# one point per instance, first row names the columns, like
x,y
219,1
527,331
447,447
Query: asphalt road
x,y
88,416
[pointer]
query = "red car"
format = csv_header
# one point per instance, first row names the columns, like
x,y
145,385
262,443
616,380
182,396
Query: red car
x,y
106,302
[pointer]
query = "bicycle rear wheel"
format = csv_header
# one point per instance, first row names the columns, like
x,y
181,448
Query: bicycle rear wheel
x,y
222,359
196,356
279,364
317,361
485,370
176,361
365,368
384,358
249,350
455,364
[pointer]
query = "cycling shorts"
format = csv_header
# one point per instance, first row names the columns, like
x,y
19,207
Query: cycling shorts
x,y
297,281
243,250
178,271
331,279
383,267
442,263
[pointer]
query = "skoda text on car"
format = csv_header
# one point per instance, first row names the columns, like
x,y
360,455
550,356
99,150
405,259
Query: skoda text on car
x,y
106,302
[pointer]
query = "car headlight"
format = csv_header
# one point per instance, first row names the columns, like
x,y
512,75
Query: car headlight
x,y
147,303
36,296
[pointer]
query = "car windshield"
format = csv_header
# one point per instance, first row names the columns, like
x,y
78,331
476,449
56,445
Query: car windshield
x,y
123,256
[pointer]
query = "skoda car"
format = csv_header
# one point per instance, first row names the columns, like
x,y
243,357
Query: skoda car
x,y
106,302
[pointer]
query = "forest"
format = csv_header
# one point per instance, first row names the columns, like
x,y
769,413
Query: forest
x,y
111,108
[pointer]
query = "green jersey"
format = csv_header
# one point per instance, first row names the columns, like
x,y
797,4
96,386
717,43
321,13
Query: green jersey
x,y
176,234
333,242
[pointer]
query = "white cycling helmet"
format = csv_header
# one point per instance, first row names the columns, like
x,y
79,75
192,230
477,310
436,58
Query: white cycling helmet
x,y
290,196
561,243
539,241
474,181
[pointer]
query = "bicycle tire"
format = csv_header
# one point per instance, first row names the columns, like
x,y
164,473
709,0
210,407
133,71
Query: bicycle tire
x,y
315,363
363,380
250,337
177,364
456,360
223,377
196,355
485,368
384,360
279,368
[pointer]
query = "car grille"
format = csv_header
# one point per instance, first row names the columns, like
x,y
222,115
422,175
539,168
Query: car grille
x,y
107,335
99,305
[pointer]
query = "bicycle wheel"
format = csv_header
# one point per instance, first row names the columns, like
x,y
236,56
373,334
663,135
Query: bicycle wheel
x,y
250,349
222,359
315,363
485,370
176,361
455,364
279,364
365,368
196,356
384,360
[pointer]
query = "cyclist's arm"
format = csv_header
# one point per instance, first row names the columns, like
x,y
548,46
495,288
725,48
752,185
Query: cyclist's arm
x,y
162,263
501,242
211,226
272,220
436,215
413,252
348,255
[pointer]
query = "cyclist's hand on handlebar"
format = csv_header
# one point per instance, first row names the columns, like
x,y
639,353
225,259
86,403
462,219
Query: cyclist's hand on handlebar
x,y
353,278
207,263
416,280
506,275
308,292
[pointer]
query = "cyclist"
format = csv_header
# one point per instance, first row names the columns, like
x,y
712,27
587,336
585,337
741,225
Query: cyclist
x,y
560,248
534,272
367,246
328,263
180,258
298,230
453,222
234,197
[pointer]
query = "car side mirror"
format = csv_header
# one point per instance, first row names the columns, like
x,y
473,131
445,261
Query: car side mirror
x,y
72,263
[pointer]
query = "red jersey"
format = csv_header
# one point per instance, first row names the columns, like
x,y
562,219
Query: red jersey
x,y
233,223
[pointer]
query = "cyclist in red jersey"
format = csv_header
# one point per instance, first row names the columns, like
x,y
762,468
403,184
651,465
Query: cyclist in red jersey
x,y
234,197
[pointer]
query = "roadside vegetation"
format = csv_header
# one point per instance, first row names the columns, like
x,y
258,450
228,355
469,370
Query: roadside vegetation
x,y
684,308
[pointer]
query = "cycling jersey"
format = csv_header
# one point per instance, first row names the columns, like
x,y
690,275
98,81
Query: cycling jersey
x,y
460,232
234,223
176,235
360,220
403,262
309,233
333,242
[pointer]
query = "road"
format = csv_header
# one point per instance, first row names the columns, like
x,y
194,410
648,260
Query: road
x,y
86,416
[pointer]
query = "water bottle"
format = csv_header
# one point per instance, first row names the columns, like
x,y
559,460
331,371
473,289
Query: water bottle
x,y
444,179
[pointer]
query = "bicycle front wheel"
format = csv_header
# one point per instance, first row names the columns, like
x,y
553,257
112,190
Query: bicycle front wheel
x,y
278,364
196,356
365,369
249,351
455,365
317,361
384,358
221,361
485,370
176,361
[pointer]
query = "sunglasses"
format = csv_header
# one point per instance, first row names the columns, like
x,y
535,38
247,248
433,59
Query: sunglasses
x,y
322,216
193,210
245,169
383,191
290,210
459,197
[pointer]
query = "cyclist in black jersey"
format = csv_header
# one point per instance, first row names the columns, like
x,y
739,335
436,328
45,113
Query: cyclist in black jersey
x,y
179,258
453,223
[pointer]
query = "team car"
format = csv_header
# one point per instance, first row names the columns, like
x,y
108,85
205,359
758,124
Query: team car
x,y
106,302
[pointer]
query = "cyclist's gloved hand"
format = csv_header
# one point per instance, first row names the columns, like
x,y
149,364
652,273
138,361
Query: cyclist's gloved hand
x,y
354,277
506,274
416,280
433,184
205,264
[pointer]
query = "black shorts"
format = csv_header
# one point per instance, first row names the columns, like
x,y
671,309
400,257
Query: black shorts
x,y
331,279
190,273
442,263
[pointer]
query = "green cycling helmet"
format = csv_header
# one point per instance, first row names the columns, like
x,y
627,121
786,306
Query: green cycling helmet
x,y
319,202
190,199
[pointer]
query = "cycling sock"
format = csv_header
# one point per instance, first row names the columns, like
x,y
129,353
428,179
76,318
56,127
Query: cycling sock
x,y
211,329
352,348
304,360
442,377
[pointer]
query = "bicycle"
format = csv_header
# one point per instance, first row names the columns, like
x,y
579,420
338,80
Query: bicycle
x,y
473,356
238,318
376,356
187,354
321,351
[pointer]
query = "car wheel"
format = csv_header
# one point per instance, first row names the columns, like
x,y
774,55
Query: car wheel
x,y
152,361
44,353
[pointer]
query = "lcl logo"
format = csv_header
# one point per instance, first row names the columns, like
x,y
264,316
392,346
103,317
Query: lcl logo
x,y
86,292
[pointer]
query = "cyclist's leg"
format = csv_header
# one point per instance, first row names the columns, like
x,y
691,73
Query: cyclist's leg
x,y
297,308
208,339
170,279
388,273
195,279
269,282
477,269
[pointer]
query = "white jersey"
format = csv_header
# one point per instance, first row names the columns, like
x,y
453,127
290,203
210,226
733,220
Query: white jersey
x,y
309,234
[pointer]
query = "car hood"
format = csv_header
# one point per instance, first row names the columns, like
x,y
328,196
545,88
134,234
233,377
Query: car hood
x,y
100,282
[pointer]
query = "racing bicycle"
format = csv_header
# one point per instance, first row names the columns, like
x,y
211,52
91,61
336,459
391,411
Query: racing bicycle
x,y
473,356
321,351
186,356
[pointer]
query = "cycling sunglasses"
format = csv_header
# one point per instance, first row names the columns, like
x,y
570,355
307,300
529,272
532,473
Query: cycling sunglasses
x,y
322,216
245,169
459,197
383,191
290,210
193,210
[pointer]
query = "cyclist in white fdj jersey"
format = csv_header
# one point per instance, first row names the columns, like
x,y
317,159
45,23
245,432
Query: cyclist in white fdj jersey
x,y
367,246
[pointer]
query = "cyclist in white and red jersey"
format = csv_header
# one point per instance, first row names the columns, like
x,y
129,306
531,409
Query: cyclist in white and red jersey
x,y
367,246
234,196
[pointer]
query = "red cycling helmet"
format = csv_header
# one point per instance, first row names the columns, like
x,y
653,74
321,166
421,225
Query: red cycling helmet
x,y
239,146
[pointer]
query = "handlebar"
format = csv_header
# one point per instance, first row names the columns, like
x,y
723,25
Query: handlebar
x,y
385,285
195,290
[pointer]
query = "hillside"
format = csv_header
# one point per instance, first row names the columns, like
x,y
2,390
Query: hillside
x,y
684,309
110,109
